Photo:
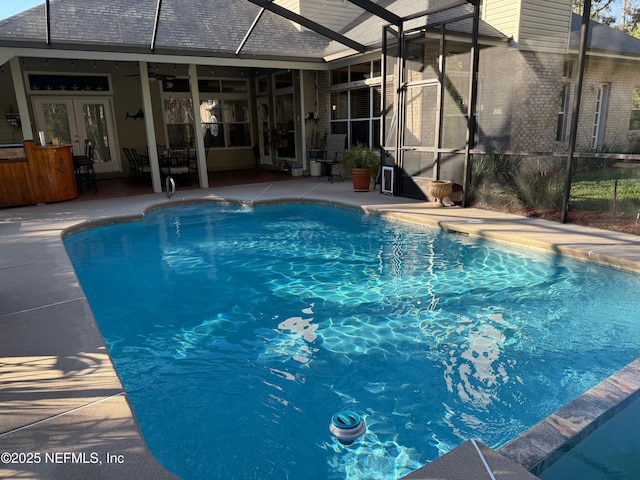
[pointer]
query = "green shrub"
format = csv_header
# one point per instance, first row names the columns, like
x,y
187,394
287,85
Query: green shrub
x,y
539,192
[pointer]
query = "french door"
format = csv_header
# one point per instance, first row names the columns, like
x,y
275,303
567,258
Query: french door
x,y
264,131
72,120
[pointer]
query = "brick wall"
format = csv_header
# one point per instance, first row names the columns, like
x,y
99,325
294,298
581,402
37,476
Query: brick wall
x,y
622,77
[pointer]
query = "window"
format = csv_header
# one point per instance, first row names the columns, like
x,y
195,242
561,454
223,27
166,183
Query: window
x,y
602,99
634,122
225,122
355,109
563,105
178,115
79,83
224,113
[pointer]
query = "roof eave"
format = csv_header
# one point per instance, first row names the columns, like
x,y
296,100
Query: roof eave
x,y
180,56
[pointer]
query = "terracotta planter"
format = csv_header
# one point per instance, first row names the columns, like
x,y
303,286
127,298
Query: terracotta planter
x,y
440,189
361,178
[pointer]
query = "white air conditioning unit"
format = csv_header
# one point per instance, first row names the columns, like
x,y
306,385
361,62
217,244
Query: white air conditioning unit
x,y
388,173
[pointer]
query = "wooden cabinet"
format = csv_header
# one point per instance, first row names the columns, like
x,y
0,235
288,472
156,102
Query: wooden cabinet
x,y
39,175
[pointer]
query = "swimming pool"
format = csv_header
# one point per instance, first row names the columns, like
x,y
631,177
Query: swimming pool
x,y
238,332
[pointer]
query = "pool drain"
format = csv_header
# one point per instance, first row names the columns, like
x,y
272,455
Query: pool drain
x,y
347,426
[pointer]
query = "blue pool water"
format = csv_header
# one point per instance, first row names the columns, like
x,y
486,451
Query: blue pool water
x,y
239,332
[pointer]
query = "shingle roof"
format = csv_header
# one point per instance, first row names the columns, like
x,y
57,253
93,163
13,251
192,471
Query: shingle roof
x,y
603,38
183,25
199,27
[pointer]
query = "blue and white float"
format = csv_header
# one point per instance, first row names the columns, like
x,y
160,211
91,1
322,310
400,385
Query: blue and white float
x,y
347,426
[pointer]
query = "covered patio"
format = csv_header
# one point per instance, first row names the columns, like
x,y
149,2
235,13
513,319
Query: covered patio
x,y
241,90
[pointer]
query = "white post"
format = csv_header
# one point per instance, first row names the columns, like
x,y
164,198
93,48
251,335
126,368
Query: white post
x,y
21,98
203,175
150,130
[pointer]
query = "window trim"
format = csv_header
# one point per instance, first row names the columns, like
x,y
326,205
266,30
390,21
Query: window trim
x,y
636,92
600,120
223,98
372,84
561,126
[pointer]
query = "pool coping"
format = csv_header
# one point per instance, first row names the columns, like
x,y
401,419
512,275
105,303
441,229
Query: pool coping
x,y
60,392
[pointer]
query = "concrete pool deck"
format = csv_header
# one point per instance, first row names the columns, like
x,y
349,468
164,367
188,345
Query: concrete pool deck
x,y
63,410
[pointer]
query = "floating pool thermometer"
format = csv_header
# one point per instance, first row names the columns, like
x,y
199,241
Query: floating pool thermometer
x,y
347,426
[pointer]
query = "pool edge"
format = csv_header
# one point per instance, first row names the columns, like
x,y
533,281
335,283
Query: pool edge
x,y
544,443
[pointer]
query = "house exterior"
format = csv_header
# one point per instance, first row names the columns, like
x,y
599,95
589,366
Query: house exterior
x,y
243,86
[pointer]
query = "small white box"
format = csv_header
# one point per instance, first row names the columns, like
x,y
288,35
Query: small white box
x,y
296,171
387,179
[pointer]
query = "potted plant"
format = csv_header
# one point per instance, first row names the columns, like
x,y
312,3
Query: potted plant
x,y
317,143
363,162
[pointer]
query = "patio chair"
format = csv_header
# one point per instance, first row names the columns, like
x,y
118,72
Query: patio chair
x,y
83,166
333,156
176,162
138,165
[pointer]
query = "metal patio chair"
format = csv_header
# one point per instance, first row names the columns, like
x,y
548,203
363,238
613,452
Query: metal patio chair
x,y
83,166
333,156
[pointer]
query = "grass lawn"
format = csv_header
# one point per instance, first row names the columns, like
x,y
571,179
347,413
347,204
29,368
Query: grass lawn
x,y
596,191
608,198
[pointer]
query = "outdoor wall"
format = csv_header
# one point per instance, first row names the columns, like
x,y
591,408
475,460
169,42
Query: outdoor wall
x,y
494,107
8,133
622,77
127,100
324,100
538,25
537,80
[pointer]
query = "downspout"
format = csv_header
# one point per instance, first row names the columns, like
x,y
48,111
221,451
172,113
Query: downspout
x,y
584,38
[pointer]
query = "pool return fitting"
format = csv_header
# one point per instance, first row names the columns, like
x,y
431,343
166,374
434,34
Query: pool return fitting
x,y
171,186
347,426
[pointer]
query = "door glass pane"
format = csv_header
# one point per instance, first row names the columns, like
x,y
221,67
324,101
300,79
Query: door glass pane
x,y
285,126
95,122
264,125
236,118
56,119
